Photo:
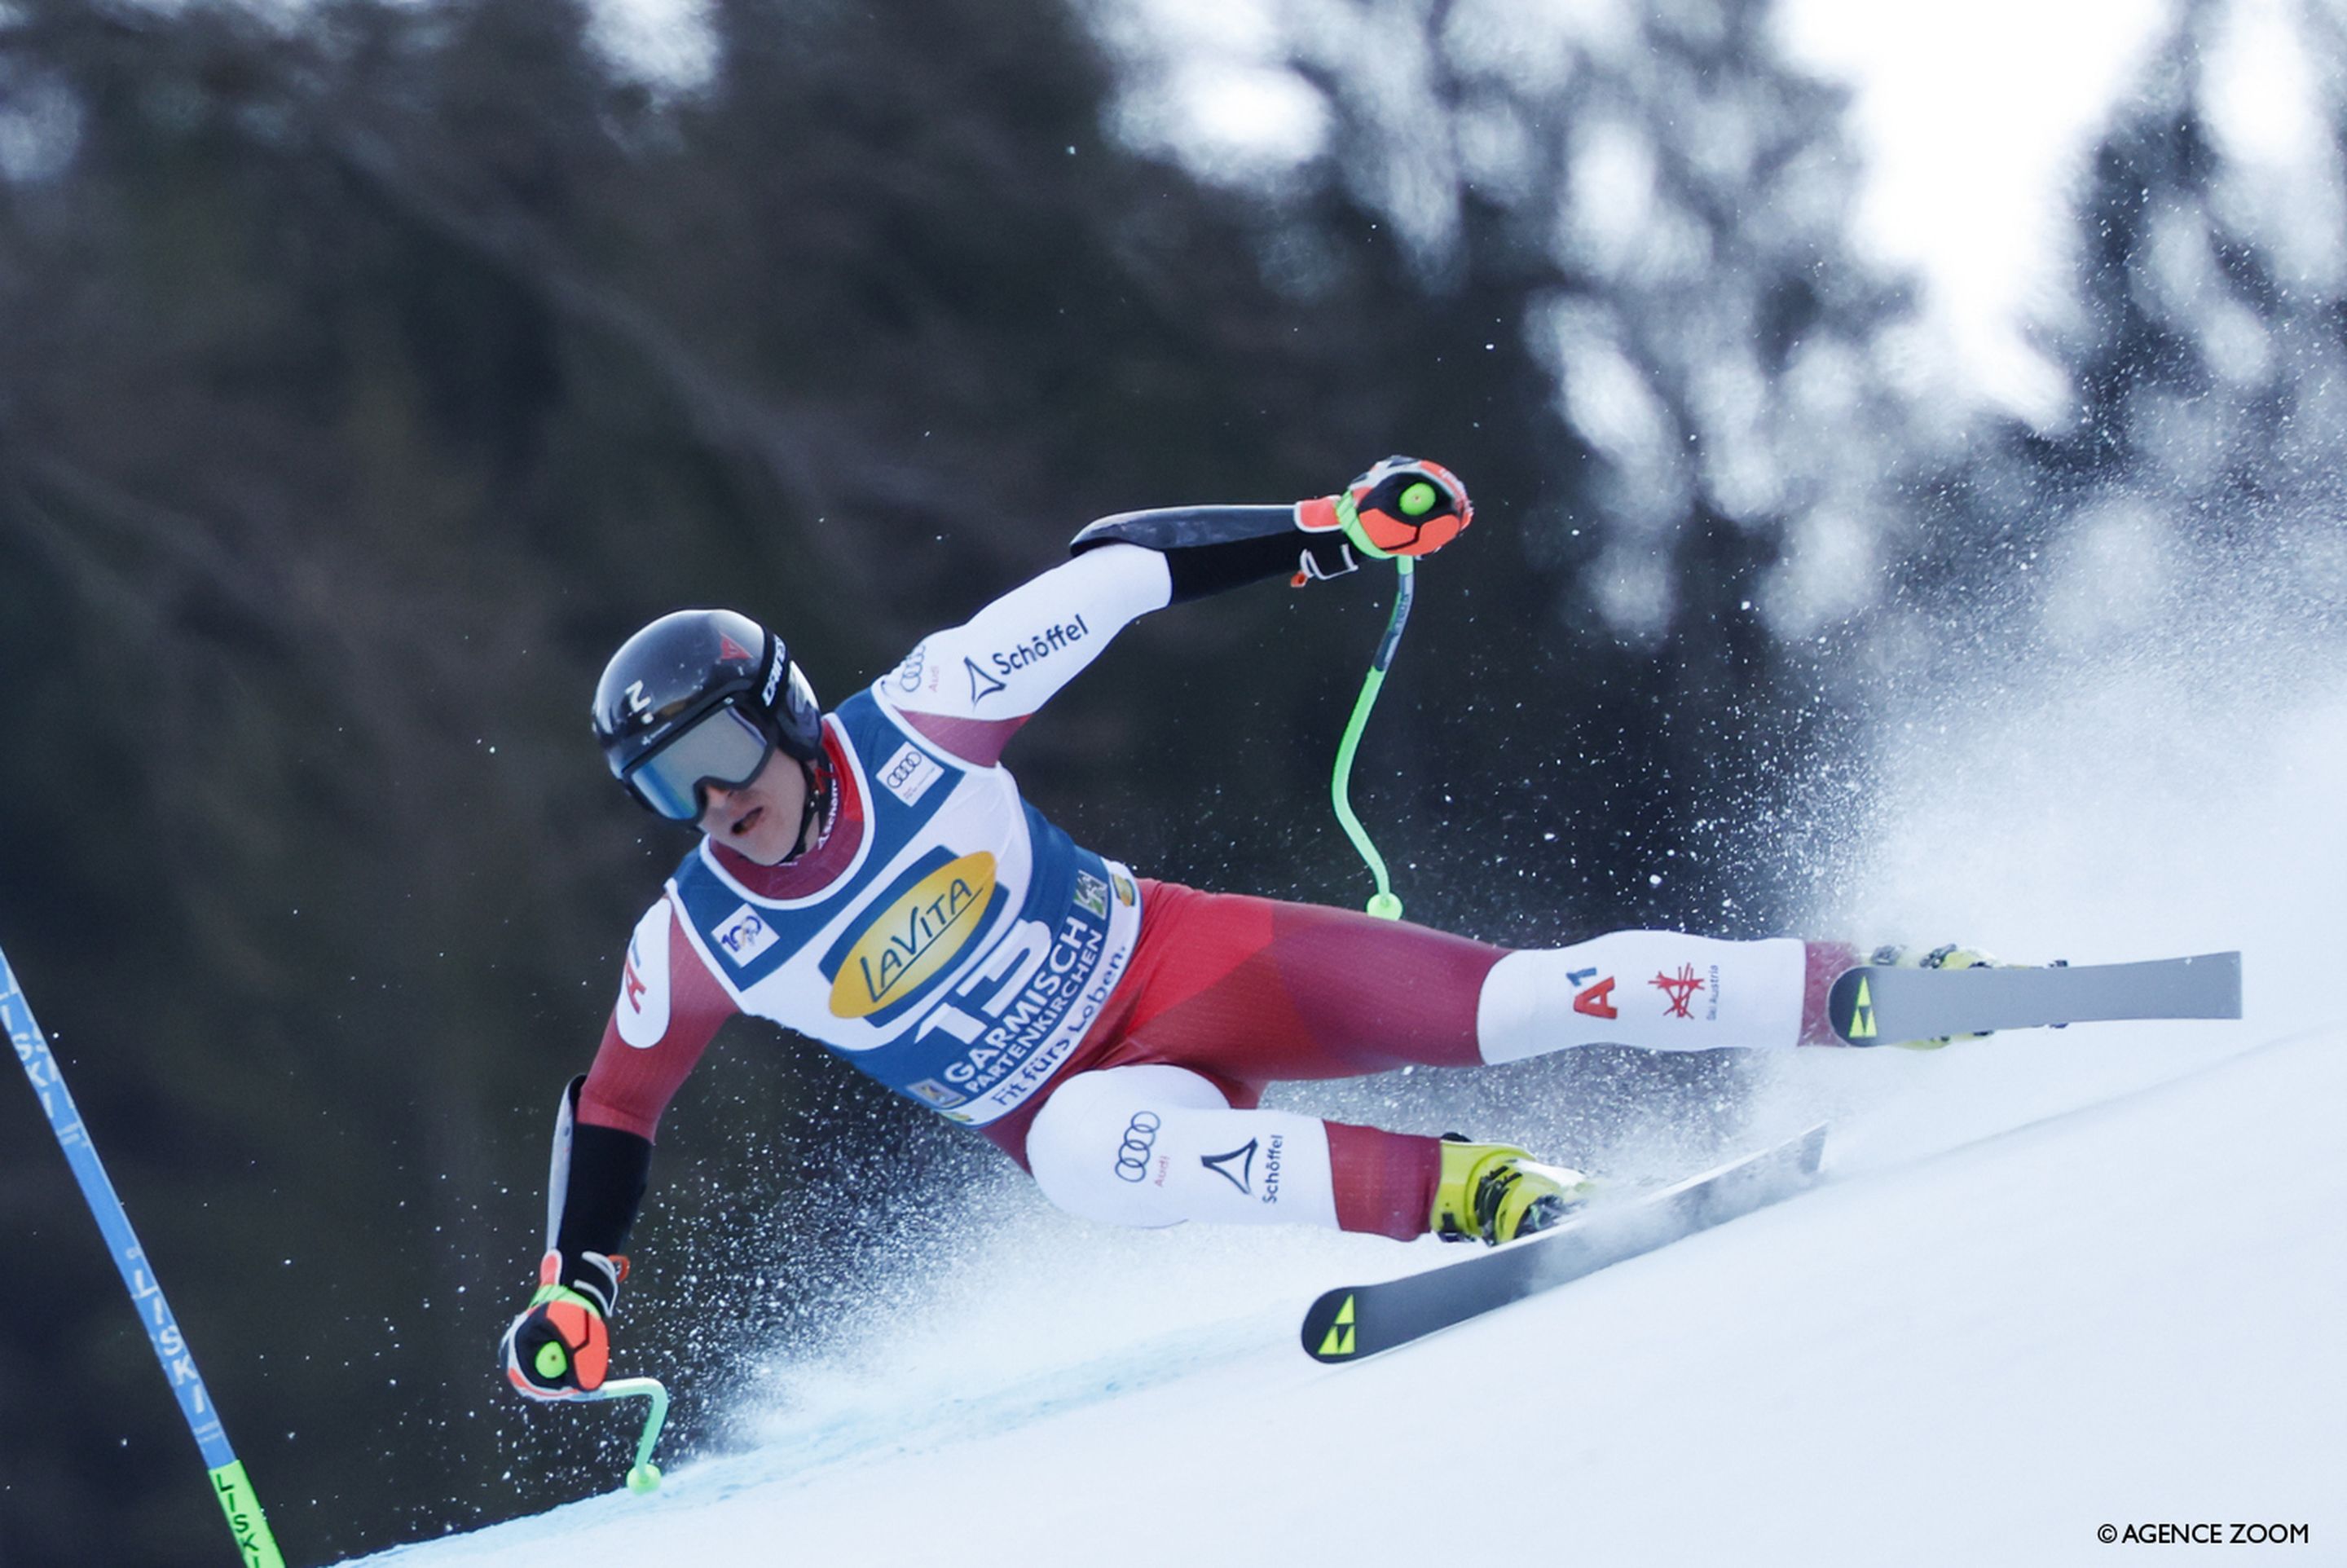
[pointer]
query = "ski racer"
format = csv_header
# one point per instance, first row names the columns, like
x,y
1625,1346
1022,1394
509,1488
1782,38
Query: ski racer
x,y
872,879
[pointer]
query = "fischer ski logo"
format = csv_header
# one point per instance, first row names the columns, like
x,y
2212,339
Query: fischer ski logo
x,y
1243,1155
1340,1341
1680,989
1862,1014
1593,1001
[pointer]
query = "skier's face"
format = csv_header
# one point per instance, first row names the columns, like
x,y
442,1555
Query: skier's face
x,y
759,820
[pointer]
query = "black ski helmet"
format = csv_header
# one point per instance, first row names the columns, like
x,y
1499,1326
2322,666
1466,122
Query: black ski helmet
x,y
682,670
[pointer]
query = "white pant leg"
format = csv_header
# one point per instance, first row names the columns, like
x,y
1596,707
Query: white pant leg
x,y
1155,1146
1657,991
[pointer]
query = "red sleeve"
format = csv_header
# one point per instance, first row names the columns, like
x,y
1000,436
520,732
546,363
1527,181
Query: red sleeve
x,y
979,741
667,999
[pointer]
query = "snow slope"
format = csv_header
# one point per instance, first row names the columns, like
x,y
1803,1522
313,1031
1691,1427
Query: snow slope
x,y
2124,1312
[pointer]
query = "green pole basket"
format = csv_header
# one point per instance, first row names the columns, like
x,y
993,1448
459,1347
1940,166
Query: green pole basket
x,y
643,1475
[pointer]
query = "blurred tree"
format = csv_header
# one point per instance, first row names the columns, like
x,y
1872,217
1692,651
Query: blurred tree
x,y
2209,353
2191,496
371,369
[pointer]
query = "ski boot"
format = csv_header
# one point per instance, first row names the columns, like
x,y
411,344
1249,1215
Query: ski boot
x,y
1492,1192
1951,956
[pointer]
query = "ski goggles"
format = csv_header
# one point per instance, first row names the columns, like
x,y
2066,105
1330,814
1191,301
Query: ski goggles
x,y
725,746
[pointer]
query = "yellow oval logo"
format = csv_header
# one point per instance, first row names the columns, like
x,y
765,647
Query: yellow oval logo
x,y
914,938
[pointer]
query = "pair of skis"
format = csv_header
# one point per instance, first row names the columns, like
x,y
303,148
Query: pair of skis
x,y
1866,1005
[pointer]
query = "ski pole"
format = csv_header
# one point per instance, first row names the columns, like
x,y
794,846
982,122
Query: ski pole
x,y
643,1475
253,1542
1382,904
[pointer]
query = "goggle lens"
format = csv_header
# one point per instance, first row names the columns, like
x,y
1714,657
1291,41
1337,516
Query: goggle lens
x,y
722,747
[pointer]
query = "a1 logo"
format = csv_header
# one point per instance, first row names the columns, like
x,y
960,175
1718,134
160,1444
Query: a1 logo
x,y
1594,1001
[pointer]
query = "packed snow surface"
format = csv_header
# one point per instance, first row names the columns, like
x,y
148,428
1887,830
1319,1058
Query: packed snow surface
x,y
2123,1312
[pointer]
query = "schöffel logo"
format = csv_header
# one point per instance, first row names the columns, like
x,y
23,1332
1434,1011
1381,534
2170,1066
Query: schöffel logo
x,y
1242,1157
914,938
1039,647
981,684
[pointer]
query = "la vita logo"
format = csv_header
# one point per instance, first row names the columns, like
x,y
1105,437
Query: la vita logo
x,y
914,938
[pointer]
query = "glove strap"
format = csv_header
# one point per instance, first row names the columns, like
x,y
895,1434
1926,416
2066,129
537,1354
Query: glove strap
x,y
591,1278
1349,518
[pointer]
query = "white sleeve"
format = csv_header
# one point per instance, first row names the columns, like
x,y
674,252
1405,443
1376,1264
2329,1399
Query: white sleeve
x,y
1011,658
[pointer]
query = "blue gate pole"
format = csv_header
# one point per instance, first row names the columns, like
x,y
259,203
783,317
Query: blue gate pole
x,y
253,1540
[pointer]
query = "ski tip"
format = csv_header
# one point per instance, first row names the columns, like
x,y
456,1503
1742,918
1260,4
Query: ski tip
x,y
2228,969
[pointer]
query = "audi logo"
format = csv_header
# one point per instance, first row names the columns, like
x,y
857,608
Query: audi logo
x,y
1140,1138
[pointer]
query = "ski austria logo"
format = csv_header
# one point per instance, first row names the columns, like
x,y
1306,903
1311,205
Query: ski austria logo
x,y
1679,990
914,938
